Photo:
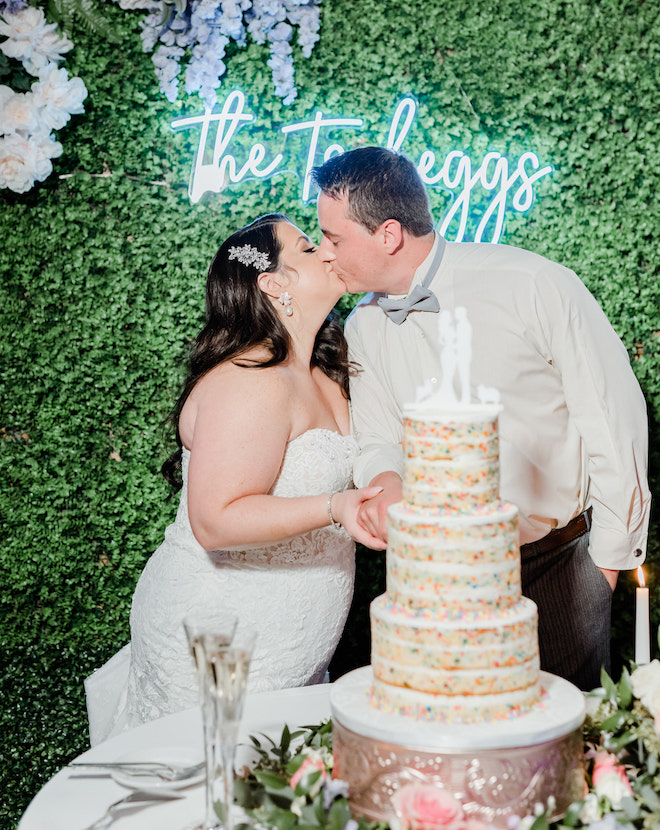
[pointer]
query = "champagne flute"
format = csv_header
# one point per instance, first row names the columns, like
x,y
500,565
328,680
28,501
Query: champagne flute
x,y
229,667
206,636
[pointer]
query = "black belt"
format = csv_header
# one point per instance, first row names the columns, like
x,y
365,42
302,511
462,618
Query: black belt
x,y
575,528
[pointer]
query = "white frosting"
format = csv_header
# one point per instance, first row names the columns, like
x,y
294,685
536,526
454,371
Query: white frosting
x,y
560,710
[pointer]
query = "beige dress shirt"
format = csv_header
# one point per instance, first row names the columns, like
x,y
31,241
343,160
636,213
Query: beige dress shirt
x,y
573,430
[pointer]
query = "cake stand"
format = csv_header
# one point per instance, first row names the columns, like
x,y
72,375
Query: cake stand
x,y
496,770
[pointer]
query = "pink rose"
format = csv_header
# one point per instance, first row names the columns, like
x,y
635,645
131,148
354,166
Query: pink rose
x,y
426,807
609,779
308,766
605,762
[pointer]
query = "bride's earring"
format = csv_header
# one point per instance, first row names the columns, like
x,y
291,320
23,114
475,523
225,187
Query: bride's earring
x,y
285,300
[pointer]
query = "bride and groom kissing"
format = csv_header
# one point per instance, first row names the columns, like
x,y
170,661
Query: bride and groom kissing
x,y
268,449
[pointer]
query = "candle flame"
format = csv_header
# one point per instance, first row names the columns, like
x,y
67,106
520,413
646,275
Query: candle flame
x,y
640,577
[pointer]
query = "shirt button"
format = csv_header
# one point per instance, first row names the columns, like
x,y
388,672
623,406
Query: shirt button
x,y
638,552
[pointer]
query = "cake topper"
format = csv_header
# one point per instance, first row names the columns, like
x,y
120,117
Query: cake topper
x,y
455,340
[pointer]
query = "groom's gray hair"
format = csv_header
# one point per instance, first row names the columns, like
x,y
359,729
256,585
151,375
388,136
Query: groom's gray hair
x,y
379,185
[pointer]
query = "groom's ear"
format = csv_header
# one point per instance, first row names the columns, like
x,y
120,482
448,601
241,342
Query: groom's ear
x,y
391,235
271,284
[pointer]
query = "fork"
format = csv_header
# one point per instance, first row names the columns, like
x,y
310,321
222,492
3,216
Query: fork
x,y
138,797
168,772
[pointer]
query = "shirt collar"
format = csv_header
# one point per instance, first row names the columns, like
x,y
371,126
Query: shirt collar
x,y
428,267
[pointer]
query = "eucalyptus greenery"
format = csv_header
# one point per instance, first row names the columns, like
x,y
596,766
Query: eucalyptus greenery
x,y
619,727
291,786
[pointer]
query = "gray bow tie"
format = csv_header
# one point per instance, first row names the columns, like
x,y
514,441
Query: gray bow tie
x,y
419,299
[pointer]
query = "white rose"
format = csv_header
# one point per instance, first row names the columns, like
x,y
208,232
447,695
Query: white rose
x,y
31,40
19,112
58,96
24,24
24,161
590,811
652,701
23,30
612,786
646,679
6,93
46,146
50,46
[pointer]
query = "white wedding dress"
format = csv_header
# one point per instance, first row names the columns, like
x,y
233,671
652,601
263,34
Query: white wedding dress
x,y
295,594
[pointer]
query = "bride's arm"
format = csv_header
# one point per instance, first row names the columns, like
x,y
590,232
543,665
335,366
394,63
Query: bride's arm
x,y
241,423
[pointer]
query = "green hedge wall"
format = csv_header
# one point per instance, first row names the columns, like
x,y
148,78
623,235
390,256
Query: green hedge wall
x,y
103,269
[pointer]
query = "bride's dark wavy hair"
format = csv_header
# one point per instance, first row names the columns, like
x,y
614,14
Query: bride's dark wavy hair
x,y
240,317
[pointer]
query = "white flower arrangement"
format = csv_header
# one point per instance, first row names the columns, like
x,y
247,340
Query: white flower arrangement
x,y
622,751
27,119
198,32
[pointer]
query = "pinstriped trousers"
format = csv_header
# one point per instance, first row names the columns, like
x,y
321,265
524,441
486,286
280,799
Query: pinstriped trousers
x,y
575,609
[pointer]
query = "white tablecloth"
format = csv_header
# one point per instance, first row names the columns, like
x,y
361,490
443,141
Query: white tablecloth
x,y
74,798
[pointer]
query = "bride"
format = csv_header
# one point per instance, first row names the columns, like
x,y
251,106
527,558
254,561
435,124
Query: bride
x,y
265,462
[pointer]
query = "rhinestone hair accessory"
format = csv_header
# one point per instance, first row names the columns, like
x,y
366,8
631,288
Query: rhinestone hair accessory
x,y
249,255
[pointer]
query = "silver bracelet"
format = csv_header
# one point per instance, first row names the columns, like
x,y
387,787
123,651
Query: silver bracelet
x,y
335,524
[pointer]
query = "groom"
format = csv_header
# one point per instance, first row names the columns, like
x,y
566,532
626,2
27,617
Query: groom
x,y
573,430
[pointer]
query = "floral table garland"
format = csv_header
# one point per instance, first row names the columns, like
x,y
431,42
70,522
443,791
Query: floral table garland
x,y
293,788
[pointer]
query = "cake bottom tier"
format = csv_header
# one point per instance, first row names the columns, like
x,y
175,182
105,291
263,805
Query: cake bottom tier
x,y
466,708
495,770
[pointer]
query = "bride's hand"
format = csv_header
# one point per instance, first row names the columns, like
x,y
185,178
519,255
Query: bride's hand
x,y
373,516
345,509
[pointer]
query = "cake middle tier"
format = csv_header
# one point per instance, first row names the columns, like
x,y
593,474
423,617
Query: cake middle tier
x,y
450,484
453,561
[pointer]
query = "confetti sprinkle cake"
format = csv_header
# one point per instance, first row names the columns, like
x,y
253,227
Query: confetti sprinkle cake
x,y
453,639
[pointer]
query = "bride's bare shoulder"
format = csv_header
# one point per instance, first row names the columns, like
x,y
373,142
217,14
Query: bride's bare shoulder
x,y
245,376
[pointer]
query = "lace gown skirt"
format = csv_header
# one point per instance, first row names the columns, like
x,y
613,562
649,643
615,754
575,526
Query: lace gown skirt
x,y
296,595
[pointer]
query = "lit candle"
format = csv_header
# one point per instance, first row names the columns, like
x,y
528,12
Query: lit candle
x,y
642,622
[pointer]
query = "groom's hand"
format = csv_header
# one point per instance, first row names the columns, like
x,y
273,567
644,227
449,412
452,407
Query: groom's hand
x,y
373,513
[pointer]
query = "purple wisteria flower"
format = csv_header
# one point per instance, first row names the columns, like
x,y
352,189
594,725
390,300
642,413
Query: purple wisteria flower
x,y
12,6
198,36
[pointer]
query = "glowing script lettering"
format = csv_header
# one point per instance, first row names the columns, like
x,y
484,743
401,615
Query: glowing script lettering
x,y
456,174
223,168
501,184
315,126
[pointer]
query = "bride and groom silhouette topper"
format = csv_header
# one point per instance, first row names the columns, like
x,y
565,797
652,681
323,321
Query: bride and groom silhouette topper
x,y
455,340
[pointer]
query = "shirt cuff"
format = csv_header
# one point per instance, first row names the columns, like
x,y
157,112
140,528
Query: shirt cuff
x,y
373,461
616,551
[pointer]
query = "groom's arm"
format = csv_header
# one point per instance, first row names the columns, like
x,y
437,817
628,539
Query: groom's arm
x,y
376,417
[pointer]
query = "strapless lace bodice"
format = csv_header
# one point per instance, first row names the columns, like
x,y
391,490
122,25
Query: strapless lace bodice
x,y
296,594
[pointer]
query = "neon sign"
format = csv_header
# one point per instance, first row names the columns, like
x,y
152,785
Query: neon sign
x,y
216,165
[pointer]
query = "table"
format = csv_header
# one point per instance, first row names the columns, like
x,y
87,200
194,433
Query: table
x,y
74,798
